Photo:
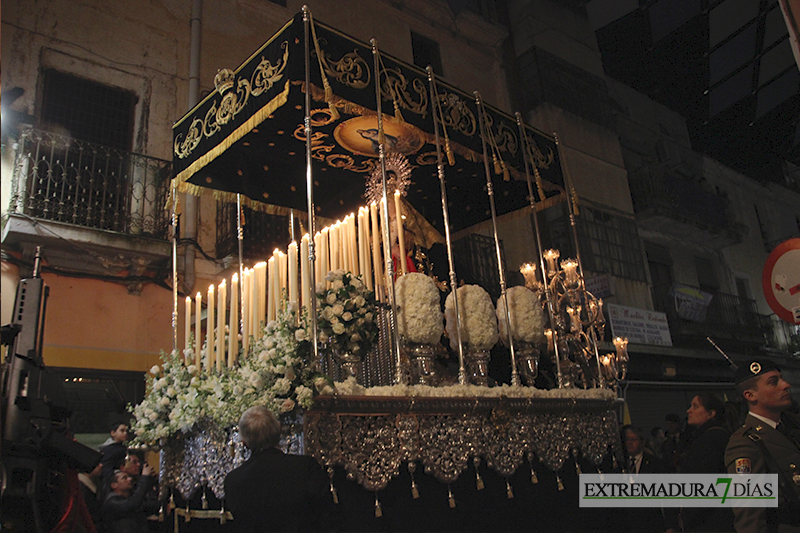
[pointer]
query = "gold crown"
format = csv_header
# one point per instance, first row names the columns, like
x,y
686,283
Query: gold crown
x,y
224,80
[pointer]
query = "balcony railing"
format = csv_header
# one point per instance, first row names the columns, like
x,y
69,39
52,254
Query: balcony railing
x,y
727,316
666,193
65,180
261,232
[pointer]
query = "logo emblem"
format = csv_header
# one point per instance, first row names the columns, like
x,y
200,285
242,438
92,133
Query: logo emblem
x,y
755,368
743,466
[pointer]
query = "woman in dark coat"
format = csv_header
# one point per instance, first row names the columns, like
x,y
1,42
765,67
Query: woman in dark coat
x,y
706,455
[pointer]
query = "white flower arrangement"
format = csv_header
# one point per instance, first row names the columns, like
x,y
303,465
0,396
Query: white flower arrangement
x,y
351,388
479,325
527,319
274,374
346,313
419,317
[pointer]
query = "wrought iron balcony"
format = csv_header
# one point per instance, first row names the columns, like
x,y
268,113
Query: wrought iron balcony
x,y
667,202
726,316
261,232
65,180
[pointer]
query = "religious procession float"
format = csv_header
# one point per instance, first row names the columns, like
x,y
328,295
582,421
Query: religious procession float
x,y
379,369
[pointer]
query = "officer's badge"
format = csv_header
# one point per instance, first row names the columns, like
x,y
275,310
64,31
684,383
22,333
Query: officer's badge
x,y
755,368
743,466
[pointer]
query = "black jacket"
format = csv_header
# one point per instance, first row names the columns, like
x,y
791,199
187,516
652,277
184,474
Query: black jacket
x,y
127,515
706,455
273,491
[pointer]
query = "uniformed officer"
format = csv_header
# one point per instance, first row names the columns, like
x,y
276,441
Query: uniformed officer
x,y
767,443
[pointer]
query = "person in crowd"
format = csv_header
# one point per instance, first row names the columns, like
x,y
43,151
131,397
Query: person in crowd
x,y
706,455
766,443
640,460
273,491
115,452
657,439
91,489
676,440
123,509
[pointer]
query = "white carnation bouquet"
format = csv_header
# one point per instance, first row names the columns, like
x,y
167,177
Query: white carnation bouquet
x,y
346,313
479,325
527,319
419,317
277,373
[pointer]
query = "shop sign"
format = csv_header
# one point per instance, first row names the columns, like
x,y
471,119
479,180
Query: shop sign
x,y
639,326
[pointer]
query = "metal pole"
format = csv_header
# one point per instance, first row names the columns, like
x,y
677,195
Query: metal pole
x,y
310,190
462,372
500,267
394,336
240,241
542,266
174,269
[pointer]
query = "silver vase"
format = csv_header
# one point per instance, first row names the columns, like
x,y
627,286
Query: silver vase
x,y
477,363
421,358
349,365
528,361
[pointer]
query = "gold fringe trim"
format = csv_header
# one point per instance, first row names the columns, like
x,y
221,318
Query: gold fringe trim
x,y
257,118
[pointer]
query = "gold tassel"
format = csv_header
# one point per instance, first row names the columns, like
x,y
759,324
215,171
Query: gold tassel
x,y
506,176
378,510
450,499
204,500
509,491
414,490
188,515
161,513
334,495
451,160
560,483
577,467
223,517
497,169
398,116
478,478
171,505
534,477
539,185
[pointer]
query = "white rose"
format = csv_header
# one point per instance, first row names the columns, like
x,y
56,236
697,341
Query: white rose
x,y
337,285
331,298
368,317
322,287
347,316
171,392
191,369
355,337
155,370
300,335
164,401
338,309
338,328
327,313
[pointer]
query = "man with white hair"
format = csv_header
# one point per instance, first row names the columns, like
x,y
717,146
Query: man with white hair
x,y
274,491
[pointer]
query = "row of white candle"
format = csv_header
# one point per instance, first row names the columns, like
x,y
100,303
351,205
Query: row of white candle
x,y
353,245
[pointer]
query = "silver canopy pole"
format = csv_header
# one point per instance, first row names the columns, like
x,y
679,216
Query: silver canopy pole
x,y
399,377
490,191
240,240
548,296
175,269
462,373
310,190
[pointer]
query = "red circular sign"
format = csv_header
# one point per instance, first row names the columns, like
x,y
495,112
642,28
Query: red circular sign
x,y
781,280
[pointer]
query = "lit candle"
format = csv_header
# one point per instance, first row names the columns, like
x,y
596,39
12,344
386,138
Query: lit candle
x,y
528,271
260,289
187,326
198,332
246,320
548,333
398,217
318,259
351,225
222,304
344,235
272,277
305,272
363,247
570,267
233,324
335,246
622,348
551,256
376,245
324,256
210,329
575,319
283,265
292,257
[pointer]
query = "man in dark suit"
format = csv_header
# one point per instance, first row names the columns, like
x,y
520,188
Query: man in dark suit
x,y
640,460
767,443
273,491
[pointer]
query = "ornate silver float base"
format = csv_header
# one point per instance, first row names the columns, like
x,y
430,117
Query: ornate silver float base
x,y
477,363
422,359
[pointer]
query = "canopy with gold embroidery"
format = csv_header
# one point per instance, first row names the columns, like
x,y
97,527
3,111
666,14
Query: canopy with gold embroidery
x,y
248,136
